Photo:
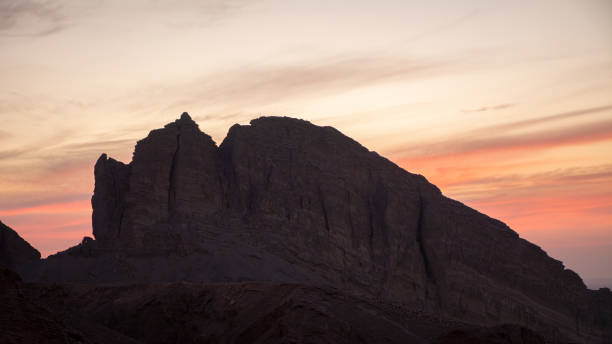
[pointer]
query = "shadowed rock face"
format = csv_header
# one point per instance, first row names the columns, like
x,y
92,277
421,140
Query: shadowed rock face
x,y
14,251
26,319
112,184
282,200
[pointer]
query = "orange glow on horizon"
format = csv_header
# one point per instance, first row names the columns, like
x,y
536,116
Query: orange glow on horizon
x,y
51,208
483,154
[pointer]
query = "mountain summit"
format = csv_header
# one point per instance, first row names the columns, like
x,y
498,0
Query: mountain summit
x,y
284,201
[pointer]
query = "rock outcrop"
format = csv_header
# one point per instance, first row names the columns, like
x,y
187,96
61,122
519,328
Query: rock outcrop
x,y
112,183
14,251
282,200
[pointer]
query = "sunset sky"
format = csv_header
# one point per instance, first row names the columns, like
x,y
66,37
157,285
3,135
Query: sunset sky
x,y
506,106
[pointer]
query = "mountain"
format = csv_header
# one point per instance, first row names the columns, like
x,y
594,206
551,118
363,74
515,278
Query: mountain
x,y
14,251
284,201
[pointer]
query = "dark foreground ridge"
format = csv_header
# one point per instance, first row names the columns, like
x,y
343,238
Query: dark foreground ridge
x,y
222,313
14,251
302,226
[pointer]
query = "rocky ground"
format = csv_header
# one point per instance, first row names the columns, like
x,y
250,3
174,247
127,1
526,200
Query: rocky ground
x,y
221,313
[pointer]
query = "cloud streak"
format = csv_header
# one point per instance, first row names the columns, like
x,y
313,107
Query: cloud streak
x,y
546,119
42,201
36,18
30,18
498,138
51,208
549,178
490,108
201,14
258,85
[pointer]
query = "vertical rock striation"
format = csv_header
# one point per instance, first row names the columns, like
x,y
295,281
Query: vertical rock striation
x,y
172,180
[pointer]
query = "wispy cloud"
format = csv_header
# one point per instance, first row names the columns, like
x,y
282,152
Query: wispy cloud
x,y
10,205
489,182
11,153
490,108
30,18
546,119
5,135
499,137
195,13
465,18
255,85
96,146
33,148
51,208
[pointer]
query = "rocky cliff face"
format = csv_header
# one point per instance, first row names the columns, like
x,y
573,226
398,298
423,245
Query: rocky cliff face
x,y
14,251
283,200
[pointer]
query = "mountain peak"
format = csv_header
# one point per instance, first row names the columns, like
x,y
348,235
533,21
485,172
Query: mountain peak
x,y
185,116
185,122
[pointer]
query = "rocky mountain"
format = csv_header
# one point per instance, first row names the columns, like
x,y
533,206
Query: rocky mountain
x,y
14,251
284,201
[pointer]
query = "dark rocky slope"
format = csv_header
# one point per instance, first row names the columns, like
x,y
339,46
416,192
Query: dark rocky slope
x,y
236,313
14,251
26,319
285,201
220,313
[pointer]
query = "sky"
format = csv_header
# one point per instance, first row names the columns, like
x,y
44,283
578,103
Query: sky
x,y
506,106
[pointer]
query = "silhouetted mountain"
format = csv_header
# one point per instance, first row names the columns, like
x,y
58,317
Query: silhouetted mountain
x,y
14,251
283,201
